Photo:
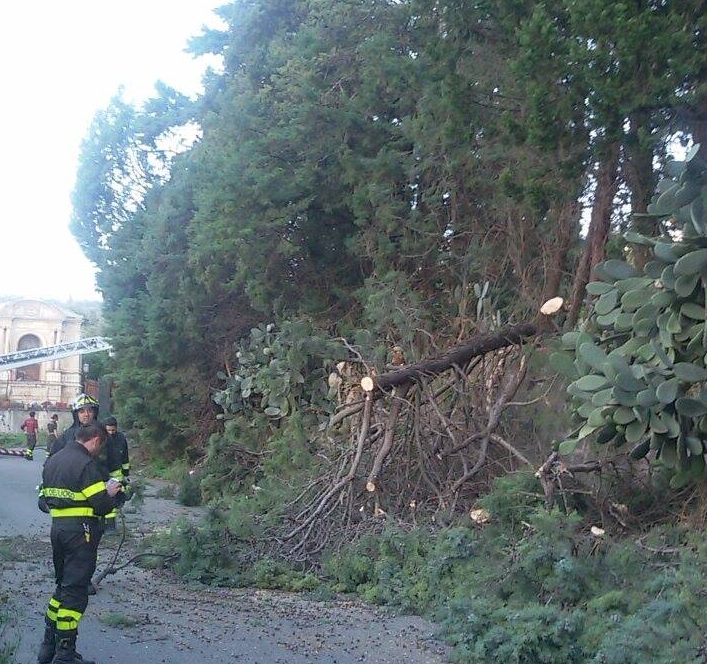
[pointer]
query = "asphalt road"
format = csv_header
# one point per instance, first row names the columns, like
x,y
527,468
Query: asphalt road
x,y
18,498
145,617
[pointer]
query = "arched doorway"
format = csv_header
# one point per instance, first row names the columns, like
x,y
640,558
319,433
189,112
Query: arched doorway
x,y
27,342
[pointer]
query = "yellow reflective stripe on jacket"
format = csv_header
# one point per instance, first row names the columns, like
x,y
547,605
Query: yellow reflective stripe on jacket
x,y
68,494
71,511
94,489
76,496
117,474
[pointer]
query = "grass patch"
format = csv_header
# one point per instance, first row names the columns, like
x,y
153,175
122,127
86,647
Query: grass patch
x,y
8,643
168,491
6,553
13,440
20,549
172,471
7,650
119,620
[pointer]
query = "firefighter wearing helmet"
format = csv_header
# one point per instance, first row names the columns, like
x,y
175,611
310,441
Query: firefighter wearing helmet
x,y
84,411
77,497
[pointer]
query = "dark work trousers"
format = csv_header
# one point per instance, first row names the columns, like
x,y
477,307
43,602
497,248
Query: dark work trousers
x,y
75,550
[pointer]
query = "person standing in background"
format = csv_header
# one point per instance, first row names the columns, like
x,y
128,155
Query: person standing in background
x,y
52,427
30,426
117,444
114,463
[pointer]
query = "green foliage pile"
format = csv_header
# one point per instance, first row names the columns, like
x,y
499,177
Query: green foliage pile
x,y
639,363
189,492
275,402
218,552
533,586
529,586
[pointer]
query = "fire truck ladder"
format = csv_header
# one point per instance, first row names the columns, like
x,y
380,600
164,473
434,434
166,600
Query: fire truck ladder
x,y
24,358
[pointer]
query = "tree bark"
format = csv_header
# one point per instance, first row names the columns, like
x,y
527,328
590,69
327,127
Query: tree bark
x,y
457,356
599,226
558,248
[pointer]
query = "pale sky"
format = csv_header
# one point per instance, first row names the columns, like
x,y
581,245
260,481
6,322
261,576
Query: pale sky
x,y
61,62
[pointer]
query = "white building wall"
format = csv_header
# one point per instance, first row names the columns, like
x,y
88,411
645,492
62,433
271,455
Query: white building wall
x,y
59,380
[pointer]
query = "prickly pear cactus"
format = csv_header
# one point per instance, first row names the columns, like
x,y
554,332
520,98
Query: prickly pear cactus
x,y
638,363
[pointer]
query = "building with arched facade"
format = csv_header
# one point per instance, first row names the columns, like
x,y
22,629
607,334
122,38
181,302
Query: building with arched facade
x,y
27,324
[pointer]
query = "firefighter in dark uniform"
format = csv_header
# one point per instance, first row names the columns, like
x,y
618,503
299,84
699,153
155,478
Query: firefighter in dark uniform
x,y
76,496
84,410
114,462
117,444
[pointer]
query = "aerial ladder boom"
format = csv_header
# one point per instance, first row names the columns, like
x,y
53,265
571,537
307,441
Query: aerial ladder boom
x,y
23,358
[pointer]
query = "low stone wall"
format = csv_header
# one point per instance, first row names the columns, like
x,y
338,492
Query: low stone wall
x,y
29,392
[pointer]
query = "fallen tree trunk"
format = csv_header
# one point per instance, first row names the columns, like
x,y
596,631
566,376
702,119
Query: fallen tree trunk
x,y
457,356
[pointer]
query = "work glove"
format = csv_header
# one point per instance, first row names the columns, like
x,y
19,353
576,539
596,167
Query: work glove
x,y
119,499
127,489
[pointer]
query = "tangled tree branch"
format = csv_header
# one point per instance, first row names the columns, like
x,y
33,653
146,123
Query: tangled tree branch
x,y
506,394
551,471
387,444
423,430
324,500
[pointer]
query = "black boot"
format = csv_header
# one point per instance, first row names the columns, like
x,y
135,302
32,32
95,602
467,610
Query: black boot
x,y
46,650
66,652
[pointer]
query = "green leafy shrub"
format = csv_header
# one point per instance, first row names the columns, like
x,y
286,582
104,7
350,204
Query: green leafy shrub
x,y
279,370
638,363
543,563
513,499
12,440
189,492
207,552
272,574
350,570
529,635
